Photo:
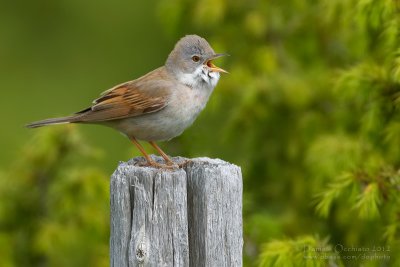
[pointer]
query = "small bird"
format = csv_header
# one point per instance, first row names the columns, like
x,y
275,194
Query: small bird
x,y
159,105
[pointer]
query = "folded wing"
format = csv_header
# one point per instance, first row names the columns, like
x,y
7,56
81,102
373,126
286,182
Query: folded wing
x,y
148,94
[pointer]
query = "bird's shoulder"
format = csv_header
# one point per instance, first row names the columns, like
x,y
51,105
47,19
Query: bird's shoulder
x,y
156,79
146,94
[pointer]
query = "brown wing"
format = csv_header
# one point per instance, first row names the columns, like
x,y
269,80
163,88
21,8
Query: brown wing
x,y
147,94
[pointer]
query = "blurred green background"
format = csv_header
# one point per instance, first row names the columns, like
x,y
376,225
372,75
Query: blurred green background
x,y
310,112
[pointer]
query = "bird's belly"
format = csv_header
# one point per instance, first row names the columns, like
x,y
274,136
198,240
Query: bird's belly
x,y
164,124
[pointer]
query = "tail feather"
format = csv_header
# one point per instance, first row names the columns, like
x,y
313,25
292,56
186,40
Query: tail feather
x,y
52,121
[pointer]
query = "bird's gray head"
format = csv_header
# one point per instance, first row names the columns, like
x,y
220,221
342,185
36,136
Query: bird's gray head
x,y
190,62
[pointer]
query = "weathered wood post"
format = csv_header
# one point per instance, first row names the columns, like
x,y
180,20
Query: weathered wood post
x,y
183,217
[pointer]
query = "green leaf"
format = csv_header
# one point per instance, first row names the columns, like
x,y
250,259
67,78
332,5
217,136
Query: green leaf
x,y
368,202
335,190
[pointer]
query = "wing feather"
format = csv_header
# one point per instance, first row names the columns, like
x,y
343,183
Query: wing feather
x,y
147,94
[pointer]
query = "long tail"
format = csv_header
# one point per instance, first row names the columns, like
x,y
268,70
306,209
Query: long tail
x,y
62,120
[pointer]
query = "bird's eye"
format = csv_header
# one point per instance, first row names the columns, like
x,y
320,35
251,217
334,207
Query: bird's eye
x,y
196,58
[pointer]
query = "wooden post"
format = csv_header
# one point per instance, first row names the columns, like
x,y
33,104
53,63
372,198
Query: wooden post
x,y
181,217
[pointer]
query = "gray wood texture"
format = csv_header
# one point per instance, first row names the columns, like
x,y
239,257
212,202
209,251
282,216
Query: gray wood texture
x,y
182,217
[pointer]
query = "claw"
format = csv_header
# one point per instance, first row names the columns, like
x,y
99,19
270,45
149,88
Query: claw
x,y
157,165
184,163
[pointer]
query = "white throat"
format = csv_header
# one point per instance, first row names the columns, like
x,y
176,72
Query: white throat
x,y
201,77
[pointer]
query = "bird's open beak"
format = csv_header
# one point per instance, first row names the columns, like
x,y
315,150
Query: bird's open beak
x,y
212,66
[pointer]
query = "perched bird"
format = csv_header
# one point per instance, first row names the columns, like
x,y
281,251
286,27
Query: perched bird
x,y
159,105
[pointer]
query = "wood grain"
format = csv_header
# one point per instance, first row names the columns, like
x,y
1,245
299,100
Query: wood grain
x,y
182,217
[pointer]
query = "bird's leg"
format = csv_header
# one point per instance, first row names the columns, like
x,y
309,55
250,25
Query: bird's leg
x,y
162,153
149,160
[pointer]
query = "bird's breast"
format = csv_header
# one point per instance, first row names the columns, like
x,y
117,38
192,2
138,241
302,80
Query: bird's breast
x,y
183,107
190,102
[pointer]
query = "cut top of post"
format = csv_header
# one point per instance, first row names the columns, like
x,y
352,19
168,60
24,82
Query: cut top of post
x,y
181,217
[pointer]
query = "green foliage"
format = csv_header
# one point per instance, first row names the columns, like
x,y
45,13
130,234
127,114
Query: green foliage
x,y
53,209
368,202
304,251
334,191
310,112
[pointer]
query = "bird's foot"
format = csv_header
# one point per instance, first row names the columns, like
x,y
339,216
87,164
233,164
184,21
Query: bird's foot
x,y
166,164
152,163
183,163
